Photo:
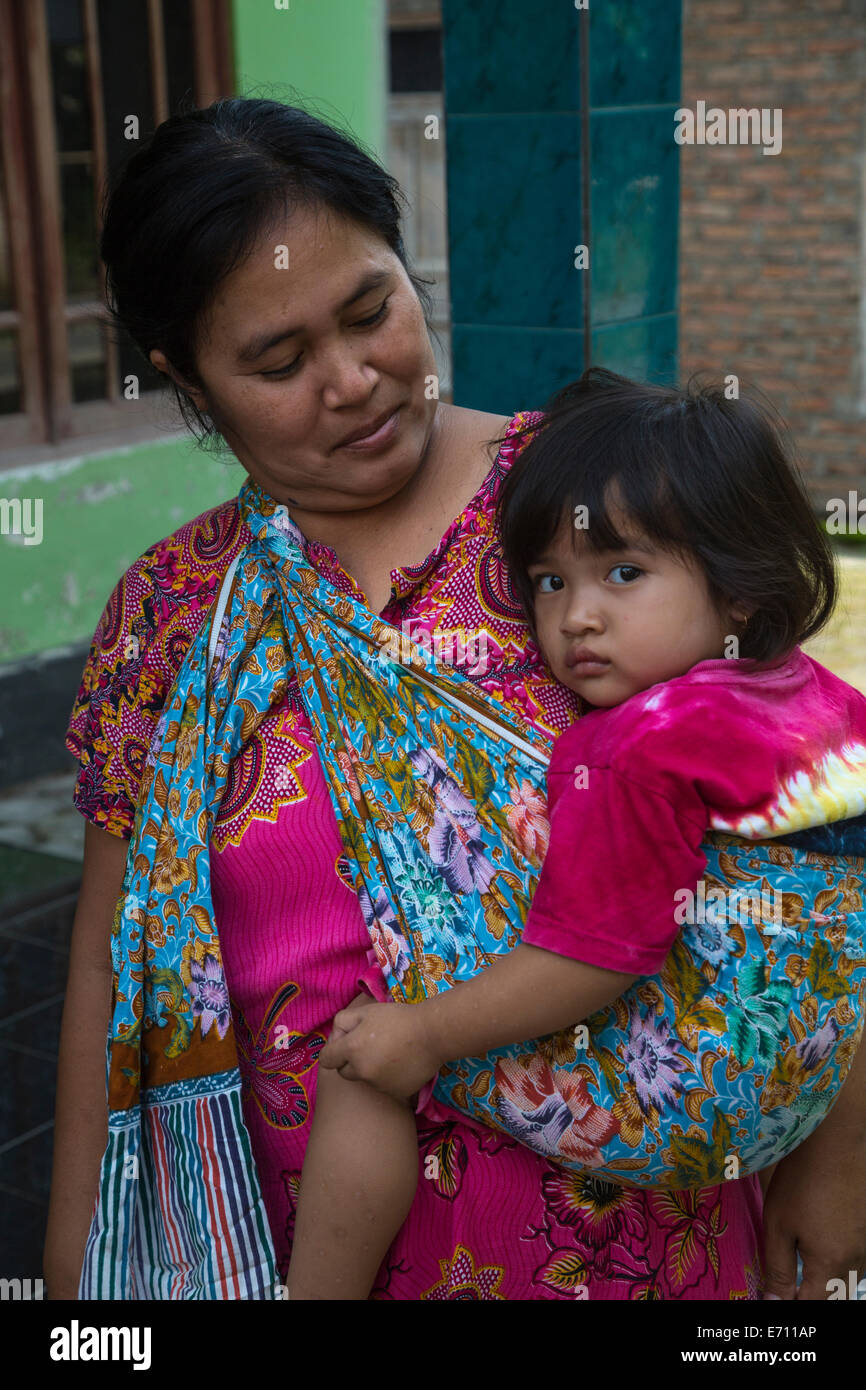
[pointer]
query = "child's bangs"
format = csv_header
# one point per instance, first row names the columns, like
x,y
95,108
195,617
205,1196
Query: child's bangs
x,y
585,488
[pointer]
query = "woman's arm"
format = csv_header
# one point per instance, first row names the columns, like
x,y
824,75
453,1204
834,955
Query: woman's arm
x,y
81,1113
816,1201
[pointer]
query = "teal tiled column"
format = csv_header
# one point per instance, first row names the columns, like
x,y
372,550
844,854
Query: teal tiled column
x,y
634,89
560,128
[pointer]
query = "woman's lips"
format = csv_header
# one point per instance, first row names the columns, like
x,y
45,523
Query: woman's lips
x,y
371,442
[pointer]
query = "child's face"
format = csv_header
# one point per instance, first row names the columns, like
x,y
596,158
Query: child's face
x,y
646,614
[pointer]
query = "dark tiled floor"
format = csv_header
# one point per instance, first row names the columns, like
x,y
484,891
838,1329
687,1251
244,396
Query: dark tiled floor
x,y
37,905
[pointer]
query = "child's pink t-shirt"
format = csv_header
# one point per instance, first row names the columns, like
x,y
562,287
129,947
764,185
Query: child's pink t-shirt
x,y
632,791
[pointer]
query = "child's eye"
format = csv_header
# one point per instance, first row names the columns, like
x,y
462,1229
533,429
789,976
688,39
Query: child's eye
x,y
540,582
632,568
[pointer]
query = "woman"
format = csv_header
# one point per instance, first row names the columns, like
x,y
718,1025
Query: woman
x,y
254,255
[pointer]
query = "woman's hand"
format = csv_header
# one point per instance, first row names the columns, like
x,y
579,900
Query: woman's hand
x,y
386,1045
816,1203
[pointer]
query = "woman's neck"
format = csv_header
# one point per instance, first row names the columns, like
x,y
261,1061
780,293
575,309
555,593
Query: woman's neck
x,y
366,528
372,541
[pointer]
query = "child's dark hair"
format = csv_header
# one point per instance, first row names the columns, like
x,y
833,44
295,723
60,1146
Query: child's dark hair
x,y
699,474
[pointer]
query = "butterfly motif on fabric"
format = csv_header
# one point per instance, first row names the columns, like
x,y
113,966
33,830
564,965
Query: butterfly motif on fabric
x,y
271,1065
455,840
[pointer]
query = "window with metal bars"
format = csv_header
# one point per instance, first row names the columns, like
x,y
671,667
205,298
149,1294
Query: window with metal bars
x,y
72,73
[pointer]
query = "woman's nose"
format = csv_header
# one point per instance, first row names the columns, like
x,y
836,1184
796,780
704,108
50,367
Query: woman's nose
x,y
348,379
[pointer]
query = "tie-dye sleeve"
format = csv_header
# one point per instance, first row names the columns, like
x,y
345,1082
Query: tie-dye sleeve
x,y
634,789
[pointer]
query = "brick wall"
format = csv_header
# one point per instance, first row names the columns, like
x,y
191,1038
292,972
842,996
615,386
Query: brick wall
x,y
773,248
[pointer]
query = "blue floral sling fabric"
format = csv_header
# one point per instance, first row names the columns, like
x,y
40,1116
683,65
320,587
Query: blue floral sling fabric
x,y
714,1068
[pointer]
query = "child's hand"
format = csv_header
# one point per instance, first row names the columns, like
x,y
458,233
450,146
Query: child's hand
x,y
383,1044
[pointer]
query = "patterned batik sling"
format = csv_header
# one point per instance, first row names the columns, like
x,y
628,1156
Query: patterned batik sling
x,y
730,1056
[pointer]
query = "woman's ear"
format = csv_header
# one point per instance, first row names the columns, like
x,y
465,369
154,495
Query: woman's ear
x,y
162,364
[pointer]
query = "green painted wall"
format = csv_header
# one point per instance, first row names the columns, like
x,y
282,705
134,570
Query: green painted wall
x,y
331,52
98,514
100,511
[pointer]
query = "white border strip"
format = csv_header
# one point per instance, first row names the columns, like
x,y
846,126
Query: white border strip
x,y
221,605
494,728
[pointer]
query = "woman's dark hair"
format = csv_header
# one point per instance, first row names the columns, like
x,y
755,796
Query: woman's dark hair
x,y
186,209
700,475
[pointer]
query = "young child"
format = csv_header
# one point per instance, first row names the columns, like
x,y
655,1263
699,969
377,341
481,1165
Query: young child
x,y
670,565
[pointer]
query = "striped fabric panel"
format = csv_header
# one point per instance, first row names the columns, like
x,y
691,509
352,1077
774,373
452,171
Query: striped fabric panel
x,y
193,1225
105,1272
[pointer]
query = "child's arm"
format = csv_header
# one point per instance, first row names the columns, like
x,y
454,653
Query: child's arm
x,y
528,993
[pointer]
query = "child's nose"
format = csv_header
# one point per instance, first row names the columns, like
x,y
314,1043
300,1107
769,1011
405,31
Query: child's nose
x,y
582,616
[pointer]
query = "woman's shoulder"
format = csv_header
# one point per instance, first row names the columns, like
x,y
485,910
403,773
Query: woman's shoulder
x,y
491,442
162,598
486,427
177,578
150,617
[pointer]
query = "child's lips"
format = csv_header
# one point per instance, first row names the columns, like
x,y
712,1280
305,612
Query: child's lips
x,y
584,661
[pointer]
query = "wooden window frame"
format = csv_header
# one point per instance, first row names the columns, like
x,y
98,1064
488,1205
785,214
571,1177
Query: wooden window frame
x,y
28,148
426,16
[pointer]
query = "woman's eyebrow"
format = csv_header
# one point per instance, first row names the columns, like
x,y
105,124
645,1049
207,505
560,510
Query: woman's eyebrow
x,y
259,345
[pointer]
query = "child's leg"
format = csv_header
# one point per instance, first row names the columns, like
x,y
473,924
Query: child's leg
x,y
358,1183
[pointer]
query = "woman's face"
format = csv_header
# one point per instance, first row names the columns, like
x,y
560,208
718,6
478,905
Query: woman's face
x,y
289,367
